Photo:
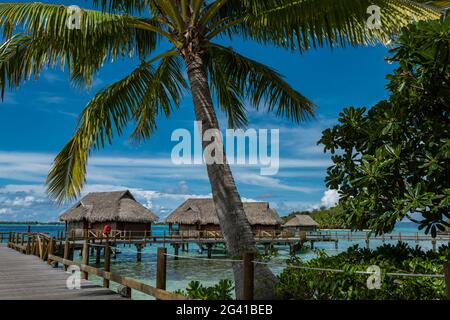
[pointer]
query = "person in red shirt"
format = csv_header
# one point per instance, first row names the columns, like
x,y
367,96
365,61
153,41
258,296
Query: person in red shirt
x,y
106,230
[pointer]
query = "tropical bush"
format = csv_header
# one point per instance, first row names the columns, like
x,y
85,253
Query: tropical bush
x,y
302,284
221,291
393,160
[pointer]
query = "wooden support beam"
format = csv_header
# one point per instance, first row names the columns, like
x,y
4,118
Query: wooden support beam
x,y
85,255
139,252
50,250
249,274
176,248
66,251
161,269
209,250
98,251
28,250
107,262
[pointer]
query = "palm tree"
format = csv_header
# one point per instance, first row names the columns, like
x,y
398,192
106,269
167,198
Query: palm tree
x,y
137,28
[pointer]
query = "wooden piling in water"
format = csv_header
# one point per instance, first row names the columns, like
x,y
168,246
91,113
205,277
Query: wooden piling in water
x,y
161,266
139,252
98,251
176,249
209,250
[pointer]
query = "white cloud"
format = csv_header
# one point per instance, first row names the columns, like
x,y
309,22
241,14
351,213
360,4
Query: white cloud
x,y
269,182
26,201
5,211
33,167
330,198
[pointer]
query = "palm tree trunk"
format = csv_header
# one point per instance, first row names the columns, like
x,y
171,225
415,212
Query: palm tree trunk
x,y
233,221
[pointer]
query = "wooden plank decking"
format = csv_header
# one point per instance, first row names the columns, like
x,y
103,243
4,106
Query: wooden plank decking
x,y
26,277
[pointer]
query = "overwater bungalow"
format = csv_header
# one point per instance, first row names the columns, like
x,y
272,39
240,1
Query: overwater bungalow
x,y
119,210
301,223
198,217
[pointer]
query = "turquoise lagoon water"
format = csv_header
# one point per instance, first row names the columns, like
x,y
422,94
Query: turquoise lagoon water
x,y
208,271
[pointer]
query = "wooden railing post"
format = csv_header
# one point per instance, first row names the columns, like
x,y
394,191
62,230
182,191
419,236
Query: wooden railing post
x,y
66,250
447,278
85,255
28,249
47,245
249,275
50,250
161,266
107,262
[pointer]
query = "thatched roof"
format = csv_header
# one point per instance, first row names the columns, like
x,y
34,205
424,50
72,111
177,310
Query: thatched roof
x,y
301,220
202,211
118,206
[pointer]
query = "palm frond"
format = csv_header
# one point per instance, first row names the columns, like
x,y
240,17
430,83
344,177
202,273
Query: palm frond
x,y
108,113
260,84
230,97
101,36
123,6
12,64
164,93
305,24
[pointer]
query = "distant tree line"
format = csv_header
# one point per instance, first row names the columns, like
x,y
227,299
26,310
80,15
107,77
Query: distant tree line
x,y
332,218
29,222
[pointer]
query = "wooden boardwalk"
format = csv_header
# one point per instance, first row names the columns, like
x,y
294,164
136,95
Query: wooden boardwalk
x,y
26,277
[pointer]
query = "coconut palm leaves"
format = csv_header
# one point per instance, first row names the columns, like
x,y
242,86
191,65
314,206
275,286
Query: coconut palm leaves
x,y
141,96
101,36
36,36
305,24
255,81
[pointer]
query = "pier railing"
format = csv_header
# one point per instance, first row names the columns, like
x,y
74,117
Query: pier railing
x,y
262,234
46,248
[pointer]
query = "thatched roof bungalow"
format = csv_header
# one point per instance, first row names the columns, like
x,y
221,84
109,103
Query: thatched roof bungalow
x,y
118,209
196,215
301,222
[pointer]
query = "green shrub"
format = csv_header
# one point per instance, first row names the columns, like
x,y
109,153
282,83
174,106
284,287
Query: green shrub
x,y
221,291
401,258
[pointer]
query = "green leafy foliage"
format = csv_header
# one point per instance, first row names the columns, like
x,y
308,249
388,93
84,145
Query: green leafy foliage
x,y
221,291
394,159
348,285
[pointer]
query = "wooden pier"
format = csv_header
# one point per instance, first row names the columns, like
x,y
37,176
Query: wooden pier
x,y
26,277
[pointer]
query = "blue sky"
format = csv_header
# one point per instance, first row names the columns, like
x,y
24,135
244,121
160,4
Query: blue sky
x,y
37,119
